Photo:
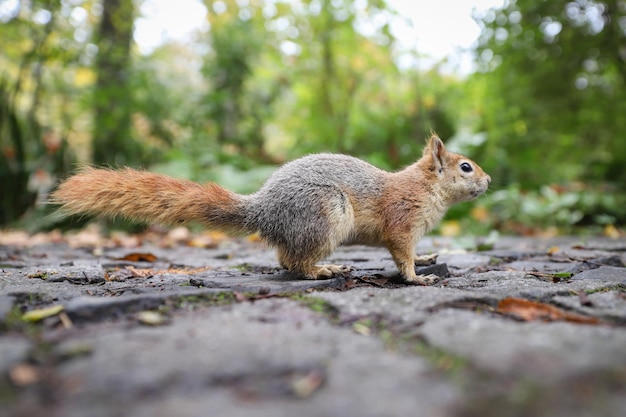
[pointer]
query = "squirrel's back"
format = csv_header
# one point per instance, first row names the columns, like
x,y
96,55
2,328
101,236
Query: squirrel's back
x,y
324,170
309,196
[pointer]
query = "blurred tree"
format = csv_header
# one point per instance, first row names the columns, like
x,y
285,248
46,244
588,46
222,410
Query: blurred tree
x,y
16,198
112,141
32,133
554,80
237,108
347,93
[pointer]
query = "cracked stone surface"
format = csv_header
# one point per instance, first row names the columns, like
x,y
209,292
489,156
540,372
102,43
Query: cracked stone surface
x,y
225,331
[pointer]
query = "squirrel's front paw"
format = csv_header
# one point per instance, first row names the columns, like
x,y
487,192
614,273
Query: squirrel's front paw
x,y
429,279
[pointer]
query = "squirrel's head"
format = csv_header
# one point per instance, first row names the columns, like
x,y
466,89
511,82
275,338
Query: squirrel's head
x,y
459,178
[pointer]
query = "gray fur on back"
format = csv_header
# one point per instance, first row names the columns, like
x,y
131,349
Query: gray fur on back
x,y
290,210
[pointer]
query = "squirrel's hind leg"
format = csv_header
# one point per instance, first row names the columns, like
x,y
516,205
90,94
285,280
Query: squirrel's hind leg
x,y
306,267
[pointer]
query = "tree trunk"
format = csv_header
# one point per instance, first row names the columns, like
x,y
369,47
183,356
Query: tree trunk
x,y
112,143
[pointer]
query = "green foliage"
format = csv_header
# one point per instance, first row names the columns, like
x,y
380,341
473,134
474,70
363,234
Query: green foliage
x,y
549,208
111,140
16,198
553,80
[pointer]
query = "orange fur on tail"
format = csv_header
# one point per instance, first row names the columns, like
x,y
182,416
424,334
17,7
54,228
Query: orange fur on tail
x,y
147,197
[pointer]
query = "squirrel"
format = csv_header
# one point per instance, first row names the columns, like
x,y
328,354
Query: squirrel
x,y
305,209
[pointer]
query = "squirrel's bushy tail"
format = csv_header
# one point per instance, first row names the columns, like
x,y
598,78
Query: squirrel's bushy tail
x,y
147,197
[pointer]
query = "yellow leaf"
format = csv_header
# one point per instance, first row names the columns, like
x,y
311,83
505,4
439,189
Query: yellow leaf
x,y
151,318
553,250
611,231
361,329
450,228
42,313
480,213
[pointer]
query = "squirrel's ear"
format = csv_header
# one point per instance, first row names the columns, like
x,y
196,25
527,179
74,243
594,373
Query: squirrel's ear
x,y
437,150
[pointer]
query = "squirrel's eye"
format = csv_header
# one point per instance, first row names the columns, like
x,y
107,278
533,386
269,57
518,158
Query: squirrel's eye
x,y
465,167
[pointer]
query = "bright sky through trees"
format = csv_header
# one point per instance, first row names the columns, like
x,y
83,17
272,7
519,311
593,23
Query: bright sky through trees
x,y
437,29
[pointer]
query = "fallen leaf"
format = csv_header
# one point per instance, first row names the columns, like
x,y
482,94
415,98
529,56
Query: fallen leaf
x,y
377,280
124,240
304,385
65,320
178,235
182,271
151,318
14,238
552,277
532,310
553,250
138,257
207,240
42,313
361,328
24,374
141,272
611,232
89,237
122,274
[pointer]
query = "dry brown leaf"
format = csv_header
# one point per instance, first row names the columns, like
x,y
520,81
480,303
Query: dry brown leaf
x,y
183,271
210,239
121,274
89,237
125,240
532,310
263,293
24,374
377,280
138,257
553,250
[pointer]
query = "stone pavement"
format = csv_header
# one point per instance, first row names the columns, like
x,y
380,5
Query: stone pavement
x,y
528,327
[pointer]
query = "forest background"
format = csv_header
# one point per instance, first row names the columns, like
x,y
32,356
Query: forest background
x,y
544,112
